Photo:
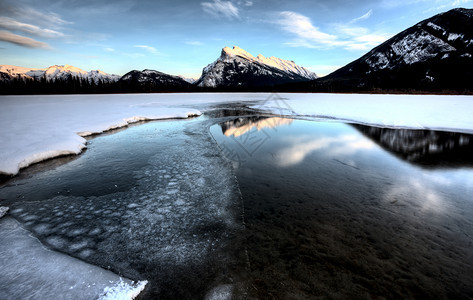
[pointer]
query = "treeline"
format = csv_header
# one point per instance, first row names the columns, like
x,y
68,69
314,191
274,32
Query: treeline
x,y
406,83
69,85
78,85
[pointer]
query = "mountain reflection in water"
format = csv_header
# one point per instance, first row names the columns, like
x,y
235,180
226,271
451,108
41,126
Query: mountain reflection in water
x,y
241,126
426,147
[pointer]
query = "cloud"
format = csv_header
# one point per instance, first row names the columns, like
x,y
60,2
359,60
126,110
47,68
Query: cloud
x,y
11,24
150,49
245,3
460,2
108,49
30,15
302,27
308,36
221,9
21,40
298,148
194,43
363,17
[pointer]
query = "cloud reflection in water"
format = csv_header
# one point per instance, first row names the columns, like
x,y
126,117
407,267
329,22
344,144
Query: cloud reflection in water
x,y
299,147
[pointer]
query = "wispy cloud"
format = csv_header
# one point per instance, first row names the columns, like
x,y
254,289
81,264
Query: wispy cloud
x,y
13,25
21,40
308,36
222,9
363,17
149,49
108,49
194,43
449,5
245,3
32,16
396,3
460,2
302,27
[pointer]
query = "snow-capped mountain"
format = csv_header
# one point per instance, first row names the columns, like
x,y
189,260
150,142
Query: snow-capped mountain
x,y
190,80
435,54
53,73
151,80
236,67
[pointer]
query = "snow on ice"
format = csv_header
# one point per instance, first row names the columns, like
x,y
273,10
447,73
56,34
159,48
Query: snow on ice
x,y
436,112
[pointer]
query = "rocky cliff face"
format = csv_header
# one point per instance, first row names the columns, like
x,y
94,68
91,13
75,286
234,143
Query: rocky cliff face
x,y
237,68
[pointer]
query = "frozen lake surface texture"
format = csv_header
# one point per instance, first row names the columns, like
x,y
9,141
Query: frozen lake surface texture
x,y
288,196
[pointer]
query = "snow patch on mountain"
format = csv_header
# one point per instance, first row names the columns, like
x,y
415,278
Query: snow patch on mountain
x,y
187,79
455,36
412,48
420,47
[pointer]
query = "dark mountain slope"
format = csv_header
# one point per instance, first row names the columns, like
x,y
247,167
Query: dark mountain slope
x,y
434,55
152,81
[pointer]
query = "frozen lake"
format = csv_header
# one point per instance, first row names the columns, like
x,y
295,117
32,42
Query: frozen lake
x,y
241,202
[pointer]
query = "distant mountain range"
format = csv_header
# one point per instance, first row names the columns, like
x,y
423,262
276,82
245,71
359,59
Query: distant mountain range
x,y
435,55
8,73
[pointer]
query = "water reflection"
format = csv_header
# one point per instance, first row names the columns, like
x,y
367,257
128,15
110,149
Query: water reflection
x,y
424,147
298,148
427,148
330,212
240,126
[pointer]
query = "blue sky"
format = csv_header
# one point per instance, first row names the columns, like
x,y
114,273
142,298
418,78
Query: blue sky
x,y
182,37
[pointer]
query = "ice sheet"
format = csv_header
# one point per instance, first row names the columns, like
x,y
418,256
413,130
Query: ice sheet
x,y
30,271
450,113
169,226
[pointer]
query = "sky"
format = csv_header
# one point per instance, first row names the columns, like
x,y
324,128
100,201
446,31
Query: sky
x,y
182,37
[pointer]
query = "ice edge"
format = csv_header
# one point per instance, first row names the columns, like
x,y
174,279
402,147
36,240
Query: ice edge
x,y
122,290
79,147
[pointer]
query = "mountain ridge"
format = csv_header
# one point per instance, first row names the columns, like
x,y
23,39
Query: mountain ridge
x,y
55,72
238,68
433,55
152,80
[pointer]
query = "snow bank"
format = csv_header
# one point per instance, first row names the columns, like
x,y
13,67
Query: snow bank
x,y
35,128
449,113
